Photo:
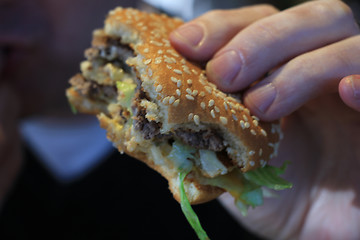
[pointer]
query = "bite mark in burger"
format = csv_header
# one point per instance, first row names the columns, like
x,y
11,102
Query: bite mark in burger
x,y
160,108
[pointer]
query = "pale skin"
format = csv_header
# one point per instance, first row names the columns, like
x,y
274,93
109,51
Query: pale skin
x,y
306,60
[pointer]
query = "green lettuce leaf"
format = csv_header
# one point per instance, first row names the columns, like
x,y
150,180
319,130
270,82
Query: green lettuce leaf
x,y
73,108
268,176
187,209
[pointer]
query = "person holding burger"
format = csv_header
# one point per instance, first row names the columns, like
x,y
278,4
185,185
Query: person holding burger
x,y
300,64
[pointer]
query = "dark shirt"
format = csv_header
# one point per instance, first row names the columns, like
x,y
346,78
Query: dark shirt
x,y
120,199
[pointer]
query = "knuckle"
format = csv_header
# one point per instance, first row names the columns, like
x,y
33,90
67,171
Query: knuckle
x,y
333,8
215,14
267,9
267,30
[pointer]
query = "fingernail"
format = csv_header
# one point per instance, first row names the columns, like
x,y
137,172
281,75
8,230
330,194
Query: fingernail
x,y
224,68
355,85
190,34
263,96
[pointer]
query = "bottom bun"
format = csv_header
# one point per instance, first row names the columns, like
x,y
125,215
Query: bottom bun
x,y
196,192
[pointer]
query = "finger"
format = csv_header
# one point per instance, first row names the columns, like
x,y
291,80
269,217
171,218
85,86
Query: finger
x,y
304,78
278,38
349,90
201,38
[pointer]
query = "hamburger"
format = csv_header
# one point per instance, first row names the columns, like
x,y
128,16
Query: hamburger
x,y
160,108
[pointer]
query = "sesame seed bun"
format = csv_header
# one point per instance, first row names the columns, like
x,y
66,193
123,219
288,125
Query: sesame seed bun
x,y
178,98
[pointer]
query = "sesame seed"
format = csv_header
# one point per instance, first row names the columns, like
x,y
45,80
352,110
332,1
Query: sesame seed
x,y
148,61
262,162
178,83
223,120
171,100
217,109
178,92
178,71
195,92
166,100
160,51
235,117
194,71
212,112
169,67
271,145
211,103
202,81
168,60
165,41
186,69
256,118
253,132
188,90
146,50
225,106
252,163
255,122
190,116
150,73
202,94
197,119
189,81
172,52
189,97
208,89
251,153
174,79
202,105
242,124
247,125
260,152
263,132
176,103
159,88
245,118
158,60
156,43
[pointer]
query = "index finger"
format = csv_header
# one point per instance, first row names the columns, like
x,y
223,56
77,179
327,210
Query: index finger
x,y
200,38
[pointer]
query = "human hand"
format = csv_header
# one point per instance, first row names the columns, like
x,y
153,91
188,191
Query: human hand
x,y
306,59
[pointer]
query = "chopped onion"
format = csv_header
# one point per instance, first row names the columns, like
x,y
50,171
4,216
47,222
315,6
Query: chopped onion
x,y
210,164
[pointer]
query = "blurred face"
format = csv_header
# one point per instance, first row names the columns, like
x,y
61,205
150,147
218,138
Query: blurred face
x,y
42,43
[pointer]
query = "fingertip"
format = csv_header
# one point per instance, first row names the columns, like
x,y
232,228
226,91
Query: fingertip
x,y
187,39
349,90
224,70
260,100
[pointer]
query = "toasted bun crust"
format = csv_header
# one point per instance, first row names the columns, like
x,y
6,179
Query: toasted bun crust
x,y
183,97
